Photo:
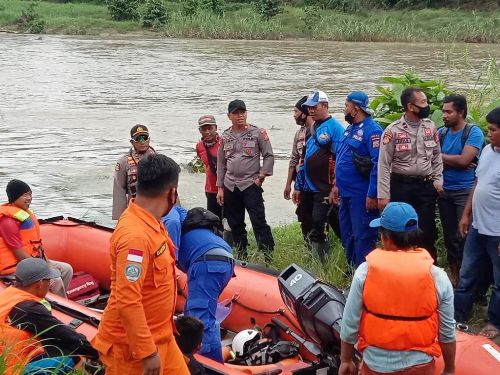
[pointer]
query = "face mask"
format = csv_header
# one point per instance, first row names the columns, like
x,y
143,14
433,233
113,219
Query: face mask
x,y
349,118
423,111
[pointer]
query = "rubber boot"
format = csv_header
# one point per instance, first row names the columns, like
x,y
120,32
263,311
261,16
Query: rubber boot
x,y
321,250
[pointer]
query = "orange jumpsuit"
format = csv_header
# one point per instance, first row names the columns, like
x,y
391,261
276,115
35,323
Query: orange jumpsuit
x,y
138,319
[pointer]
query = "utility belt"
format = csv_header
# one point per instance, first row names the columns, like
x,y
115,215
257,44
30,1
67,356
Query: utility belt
x,y
405,179
217,254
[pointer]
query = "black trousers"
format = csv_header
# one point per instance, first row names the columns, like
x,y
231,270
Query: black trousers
x,y
251,200
313,213
212,204
422,196
451,207
304,217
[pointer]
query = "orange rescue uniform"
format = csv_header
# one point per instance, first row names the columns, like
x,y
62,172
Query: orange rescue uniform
x,y
29,230
138,319
400,302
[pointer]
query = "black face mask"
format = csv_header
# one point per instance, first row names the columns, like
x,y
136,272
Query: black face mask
x,y
349,118
423,112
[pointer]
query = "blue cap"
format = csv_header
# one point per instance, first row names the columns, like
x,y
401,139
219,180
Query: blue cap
x,y
397,217
361,100
315,98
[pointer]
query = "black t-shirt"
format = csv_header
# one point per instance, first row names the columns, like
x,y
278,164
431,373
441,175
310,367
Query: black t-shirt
x,y
56,337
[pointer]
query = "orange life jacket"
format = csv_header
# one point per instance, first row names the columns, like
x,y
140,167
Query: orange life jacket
x,y
18,347
30,237
400,302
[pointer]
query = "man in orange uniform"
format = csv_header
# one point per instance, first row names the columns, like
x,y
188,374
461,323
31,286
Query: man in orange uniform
x,y
400,306
136,334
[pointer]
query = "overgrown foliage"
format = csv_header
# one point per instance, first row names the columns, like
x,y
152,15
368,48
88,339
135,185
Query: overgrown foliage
x,y
30,20
268,8
122,10
155,14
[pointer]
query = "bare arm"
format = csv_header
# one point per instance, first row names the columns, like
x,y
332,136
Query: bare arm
x,y
462,161
448,350
465,221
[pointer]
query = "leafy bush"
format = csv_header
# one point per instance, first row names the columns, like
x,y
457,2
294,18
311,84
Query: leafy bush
x,y
155,14
268,8
190,7
387,105
122,10
215,6
30,20
311,17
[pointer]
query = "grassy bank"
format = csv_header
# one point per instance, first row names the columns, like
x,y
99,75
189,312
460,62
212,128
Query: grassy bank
x,y
241,22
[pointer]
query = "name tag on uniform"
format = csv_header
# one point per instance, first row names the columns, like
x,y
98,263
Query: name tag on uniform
x,y
245,143
430,143
228,146
403,147
358,137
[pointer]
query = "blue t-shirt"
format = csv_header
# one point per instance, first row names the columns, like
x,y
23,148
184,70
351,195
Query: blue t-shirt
x,y
453,178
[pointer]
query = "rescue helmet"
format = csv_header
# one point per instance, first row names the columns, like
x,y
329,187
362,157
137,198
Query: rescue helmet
x,y
243,340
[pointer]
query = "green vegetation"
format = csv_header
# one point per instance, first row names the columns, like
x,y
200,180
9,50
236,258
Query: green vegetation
x,y
357,20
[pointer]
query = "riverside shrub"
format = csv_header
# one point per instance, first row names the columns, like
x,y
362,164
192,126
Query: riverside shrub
x,y
30,20
268,8
122,10
155,14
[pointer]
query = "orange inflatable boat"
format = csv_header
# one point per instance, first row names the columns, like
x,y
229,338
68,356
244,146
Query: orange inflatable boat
x,y
307,311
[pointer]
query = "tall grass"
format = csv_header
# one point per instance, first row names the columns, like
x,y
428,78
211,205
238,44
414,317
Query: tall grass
x,y
241,22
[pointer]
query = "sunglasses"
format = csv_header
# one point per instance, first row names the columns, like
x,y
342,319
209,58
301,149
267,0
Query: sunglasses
x,y
141,138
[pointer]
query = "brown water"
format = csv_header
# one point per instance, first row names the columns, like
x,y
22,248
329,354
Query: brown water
x,y
67,103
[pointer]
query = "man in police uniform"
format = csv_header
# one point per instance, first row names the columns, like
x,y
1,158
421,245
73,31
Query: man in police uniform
x,y
125,179
315,176
410,167
240,176
356,179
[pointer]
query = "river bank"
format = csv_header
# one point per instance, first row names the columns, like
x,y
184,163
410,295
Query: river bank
x,y
241,22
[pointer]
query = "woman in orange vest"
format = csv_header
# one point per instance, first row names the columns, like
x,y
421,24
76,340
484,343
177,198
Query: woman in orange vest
x,y
29,335
20,236
400,307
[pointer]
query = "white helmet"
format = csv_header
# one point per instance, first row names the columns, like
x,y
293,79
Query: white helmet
x,y
243,340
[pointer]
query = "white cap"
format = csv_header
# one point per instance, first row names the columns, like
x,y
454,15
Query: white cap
x,y
315,98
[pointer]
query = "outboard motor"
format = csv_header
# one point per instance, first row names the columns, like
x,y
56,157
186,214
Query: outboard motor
x,y
317,306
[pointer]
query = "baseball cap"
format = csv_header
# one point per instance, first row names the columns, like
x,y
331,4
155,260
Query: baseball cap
x,y
315,98
300,105
31,270
361,100
397,217
206,120
235,105
138,129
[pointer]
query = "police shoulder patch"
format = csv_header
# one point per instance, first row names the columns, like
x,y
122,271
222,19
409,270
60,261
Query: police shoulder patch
x,y
133,272
263,132
387,137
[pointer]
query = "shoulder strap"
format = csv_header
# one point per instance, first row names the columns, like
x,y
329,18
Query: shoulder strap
x,y
442,135
465,134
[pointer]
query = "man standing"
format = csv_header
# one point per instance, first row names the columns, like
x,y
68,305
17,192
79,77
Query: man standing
x,y
400,306
240,176
482,246
125,179
410,168
136,333
302,118
356,179
20,236
461,143
315,177
207,149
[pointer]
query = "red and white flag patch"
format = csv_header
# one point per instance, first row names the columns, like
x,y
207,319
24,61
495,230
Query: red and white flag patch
x,y
135,255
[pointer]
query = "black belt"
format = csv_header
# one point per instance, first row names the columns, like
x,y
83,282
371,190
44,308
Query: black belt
x,y
221,258
411,179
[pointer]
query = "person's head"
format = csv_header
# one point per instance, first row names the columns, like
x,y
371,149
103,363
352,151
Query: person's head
x,y
300,112
414,102
19,194
493,119
398,225
356,107
157,178
237,113
33,275
190,334
454,110
317,105
208,128
139,138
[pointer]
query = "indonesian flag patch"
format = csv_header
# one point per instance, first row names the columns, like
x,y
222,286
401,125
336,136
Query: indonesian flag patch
x,y
135,255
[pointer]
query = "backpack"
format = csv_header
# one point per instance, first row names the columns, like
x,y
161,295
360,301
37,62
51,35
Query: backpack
x,y
83,289
199,217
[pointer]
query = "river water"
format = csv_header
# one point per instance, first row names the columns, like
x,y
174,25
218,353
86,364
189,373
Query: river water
x,y
67,103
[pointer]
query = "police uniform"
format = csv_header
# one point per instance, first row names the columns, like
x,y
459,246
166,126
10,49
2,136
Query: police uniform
x,y
409,163
238,166
361,142
125,180
138,319
315,178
